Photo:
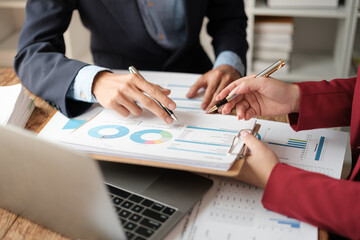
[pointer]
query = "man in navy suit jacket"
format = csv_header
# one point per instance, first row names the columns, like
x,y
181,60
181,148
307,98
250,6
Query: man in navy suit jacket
x,y
149,34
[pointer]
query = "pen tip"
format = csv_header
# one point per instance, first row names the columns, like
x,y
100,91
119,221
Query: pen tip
x,y
213,109
175,118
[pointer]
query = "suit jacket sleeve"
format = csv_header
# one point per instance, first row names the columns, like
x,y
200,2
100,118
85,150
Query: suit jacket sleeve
x,y
227,26
40,62
327,203
320,200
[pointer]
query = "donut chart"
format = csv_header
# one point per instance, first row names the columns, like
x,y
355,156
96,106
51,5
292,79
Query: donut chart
x,y
108,131
138,137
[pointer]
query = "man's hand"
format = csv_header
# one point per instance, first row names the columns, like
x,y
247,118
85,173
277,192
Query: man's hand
x,y
120,92
214,81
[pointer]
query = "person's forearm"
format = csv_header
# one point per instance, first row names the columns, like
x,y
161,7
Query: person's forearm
x,y
81,87
314,198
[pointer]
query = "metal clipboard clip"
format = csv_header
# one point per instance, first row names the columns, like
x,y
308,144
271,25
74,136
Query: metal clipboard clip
x,y
237,139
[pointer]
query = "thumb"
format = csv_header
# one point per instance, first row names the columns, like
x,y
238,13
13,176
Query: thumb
x,y
250,140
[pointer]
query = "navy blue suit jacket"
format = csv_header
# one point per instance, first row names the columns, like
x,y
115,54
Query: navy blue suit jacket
x,y
118,39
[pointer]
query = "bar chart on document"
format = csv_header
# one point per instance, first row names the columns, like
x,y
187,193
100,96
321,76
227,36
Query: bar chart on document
x,y
308,150
233,210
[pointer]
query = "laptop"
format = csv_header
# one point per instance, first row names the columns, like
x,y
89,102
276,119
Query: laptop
x,y
81,198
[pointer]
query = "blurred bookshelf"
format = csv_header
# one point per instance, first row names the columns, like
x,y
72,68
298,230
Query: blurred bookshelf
x,y
324,39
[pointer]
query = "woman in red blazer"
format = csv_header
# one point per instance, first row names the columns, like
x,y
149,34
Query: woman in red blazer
x,y
327,203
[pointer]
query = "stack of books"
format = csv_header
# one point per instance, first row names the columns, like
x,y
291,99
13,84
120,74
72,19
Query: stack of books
x,y
303,3
272,41
15,106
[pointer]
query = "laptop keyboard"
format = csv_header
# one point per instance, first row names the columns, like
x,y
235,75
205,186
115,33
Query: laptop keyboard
x,y
140,217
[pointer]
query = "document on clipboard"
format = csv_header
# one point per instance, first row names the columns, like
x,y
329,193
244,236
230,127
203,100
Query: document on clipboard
x,y
199,141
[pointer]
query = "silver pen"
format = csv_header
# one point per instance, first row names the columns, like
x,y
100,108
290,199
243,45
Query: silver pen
x,y
272,68
132,69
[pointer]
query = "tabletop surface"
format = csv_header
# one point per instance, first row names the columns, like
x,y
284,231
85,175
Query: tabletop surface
x,y
16,227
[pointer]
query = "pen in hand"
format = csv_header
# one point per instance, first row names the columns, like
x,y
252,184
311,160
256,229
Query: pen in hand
x,y
132,69
272,68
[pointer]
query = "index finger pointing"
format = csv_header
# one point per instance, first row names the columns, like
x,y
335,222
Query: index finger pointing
x,y
156,93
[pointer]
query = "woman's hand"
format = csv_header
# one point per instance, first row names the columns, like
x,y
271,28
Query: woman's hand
x,y
259,163
261,96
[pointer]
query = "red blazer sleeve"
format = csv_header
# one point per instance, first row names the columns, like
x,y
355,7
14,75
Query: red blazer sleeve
x,y
322,201
328,203
324,104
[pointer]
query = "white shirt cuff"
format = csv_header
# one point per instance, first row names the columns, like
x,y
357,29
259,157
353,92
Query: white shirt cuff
x,y
80,88
232,59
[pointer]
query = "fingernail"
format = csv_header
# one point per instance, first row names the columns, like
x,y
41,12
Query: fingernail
x,y
171,106
244,133
169,120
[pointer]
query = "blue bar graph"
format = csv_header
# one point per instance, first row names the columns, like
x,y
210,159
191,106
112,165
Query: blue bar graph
x,y
319,149
73,124
291,222
293,143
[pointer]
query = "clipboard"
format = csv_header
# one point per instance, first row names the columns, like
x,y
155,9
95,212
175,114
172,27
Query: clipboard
x,y
232,172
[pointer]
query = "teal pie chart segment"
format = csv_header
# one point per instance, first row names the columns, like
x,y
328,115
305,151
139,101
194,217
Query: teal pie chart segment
x,y
108,131
140,136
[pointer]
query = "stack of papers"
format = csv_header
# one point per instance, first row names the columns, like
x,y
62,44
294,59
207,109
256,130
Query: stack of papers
x,y
199,140
15,106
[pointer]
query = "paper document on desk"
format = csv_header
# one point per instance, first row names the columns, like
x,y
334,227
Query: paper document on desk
x,y
318,150
16,106
233,210
179,84
200,140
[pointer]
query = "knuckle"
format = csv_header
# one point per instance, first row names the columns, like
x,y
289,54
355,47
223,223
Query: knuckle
x,y
112,102
218,73
153,91
137,112
124,87
147,102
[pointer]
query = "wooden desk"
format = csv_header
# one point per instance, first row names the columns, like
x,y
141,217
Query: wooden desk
x,y
16,227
